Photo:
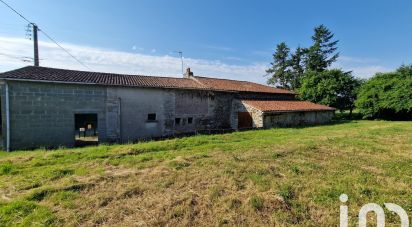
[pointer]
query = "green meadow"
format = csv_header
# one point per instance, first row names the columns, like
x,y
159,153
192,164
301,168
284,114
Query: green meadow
x,y
281,176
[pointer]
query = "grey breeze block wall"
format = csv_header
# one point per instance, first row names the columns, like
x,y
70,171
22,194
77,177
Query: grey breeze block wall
x,y
131,107
42,114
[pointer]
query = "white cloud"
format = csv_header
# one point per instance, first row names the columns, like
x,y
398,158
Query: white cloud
x,y
219,48
12,50
368,71
361,67
106,60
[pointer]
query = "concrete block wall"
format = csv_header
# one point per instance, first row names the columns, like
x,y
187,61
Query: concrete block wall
x,y
133,106
42,114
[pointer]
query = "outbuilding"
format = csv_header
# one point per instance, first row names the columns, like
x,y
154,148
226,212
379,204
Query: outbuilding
x,y
49,107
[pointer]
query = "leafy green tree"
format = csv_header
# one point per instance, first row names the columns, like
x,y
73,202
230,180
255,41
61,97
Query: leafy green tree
x,y
348,89
279,71
330,87
322,53
297,68
387,95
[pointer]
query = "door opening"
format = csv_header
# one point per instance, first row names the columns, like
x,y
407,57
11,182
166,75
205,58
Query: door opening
x,y
244,120
86,129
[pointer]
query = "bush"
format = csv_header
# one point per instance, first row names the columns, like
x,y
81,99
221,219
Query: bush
x,y
387,95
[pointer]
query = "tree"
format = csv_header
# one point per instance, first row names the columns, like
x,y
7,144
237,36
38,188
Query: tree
x,y
387,95
322,53
279,71
349,88
330,87
297,68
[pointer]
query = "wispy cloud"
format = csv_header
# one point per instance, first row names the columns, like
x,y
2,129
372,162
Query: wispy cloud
x,y
361,67
361,60
219,48
12,51
106,60
262,53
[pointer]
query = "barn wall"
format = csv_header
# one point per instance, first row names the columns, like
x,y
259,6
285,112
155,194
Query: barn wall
x,y
297,118
206,109
185,104
239,106
42,114
129,111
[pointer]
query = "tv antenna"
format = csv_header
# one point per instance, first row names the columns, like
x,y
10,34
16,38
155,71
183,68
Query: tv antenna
x,y
181,59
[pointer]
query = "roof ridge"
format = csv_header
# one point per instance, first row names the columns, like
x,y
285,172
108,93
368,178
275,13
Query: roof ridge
x,y
215,78
244,81
197,81
104,73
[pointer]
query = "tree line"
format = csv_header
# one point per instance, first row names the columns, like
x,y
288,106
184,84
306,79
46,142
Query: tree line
x,y
307,71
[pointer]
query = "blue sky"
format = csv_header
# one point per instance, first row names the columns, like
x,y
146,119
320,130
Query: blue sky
x,y
232,39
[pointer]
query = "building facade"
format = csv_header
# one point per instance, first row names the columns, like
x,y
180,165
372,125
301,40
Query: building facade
x,y
46,107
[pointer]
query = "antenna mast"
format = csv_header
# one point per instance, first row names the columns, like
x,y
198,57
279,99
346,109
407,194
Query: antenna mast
x,y
181,58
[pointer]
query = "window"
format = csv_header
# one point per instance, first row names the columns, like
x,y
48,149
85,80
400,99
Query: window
x,y
190,120
177,121
151,117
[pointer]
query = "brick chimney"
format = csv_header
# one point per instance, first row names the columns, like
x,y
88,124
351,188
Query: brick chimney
x,y
188,73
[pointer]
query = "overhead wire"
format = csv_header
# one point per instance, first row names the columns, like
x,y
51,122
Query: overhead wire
x,y
47,35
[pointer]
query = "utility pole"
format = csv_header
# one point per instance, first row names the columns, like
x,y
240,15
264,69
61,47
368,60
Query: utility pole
x,y
36,45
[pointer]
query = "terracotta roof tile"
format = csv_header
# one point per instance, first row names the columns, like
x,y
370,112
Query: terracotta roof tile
x,y
239,86
74,76
285,106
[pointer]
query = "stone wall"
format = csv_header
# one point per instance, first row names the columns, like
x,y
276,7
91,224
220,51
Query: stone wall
x,y
239,106
260,96
297,118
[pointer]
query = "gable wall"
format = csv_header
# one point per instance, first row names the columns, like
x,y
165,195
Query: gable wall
x,y
42,114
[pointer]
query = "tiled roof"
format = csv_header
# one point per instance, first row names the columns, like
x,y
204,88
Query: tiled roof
x,y
285,106
236,85
74,76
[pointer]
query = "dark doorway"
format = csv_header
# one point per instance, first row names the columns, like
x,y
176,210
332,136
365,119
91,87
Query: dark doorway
x,y
244,120
85,128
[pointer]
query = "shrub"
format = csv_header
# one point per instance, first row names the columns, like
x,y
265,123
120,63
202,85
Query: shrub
x,y
387,95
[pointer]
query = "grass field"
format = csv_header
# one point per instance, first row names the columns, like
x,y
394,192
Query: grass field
x,y
279,177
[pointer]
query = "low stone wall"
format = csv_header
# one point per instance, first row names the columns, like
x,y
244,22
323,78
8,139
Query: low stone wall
x,y
297,118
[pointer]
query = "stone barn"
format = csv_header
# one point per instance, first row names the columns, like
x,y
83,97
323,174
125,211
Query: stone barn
x,y
48,107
